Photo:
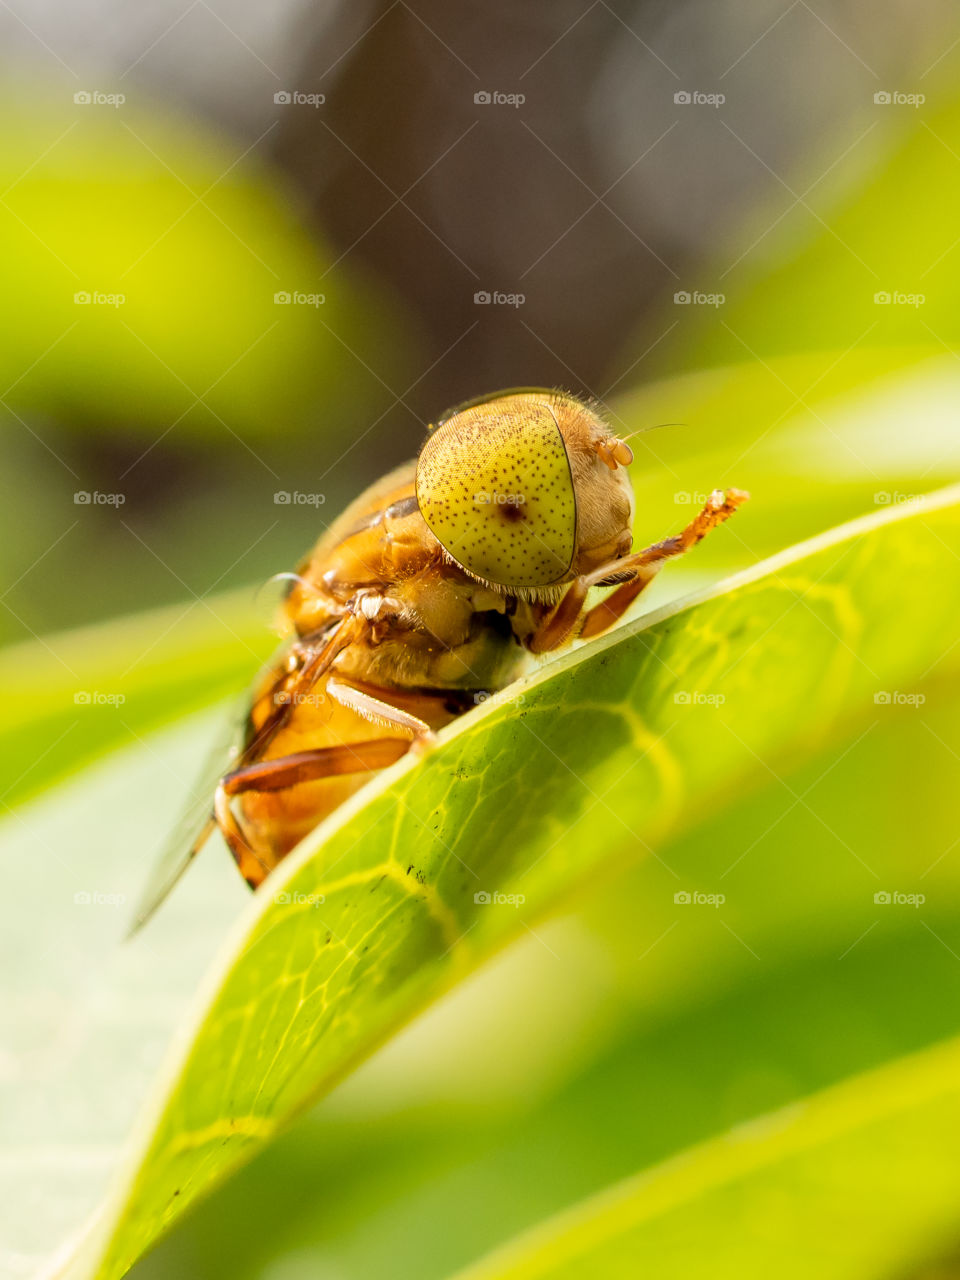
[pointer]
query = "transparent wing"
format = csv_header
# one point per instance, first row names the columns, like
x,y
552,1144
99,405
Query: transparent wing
x,y
196,823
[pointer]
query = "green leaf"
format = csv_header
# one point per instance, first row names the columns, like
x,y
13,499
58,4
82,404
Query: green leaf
x,y
626,1030
855,1181
563,778
71,697
162,209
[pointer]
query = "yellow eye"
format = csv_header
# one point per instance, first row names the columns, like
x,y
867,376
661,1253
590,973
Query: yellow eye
x,y
495,488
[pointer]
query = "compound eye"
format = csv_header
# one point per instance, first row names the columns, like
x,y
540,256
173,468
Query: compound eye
x,y
495,488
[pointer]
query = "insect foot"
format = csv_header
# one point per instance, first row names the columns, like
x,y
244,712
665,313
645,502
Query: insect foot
x,y
423,744
729,498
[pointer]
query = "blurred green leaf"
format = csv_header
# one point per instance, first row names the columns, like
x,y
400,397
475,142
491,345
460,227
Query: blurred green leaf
x,y
859,1180
840,253
145,255
71,697
399,878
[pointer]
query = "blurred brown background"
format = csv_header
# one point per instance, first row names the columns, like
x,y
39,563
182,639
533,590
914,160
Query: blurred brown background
x,y
534,152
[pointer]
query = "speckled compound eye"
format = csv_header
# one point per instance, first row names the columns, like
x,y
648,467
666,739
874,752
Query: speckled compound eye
x,y
495,488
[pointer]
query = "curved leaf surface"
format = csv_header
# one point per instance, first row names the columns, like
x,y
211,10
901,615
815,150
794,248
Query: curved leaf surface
x,y
559,780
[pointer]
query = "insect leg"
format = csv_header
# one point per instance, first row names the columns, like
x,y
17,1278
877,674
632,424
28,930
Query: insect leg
x,y
612,609
642,567
253,868
556,626
314,663
288,771
380,712
277,774
308,766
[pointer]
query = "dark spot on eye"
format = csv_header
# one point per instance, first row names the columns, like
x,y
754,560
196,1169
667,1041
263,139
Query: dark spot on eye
x,y
512,512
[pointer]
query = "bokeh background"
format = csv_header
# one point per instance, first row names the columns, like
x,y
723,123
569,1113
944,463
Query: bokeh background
x,y
249,252
397,200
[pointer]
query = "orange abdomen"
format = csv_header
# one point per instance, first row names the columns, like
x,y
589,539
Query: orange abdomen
x,y
277,820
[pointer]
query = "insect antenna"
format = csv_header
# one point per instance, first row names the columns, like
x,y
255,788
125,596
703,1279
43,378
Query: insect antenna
x,y
270,597
653,426
290,578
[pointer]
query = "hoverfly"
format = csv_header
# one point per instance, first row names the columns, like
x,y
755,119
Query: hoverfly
x,y
432,588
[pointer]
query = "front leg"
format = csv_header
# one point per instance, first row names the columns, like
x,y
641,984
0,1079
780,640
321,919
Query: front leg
x,y
311,657
642,568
